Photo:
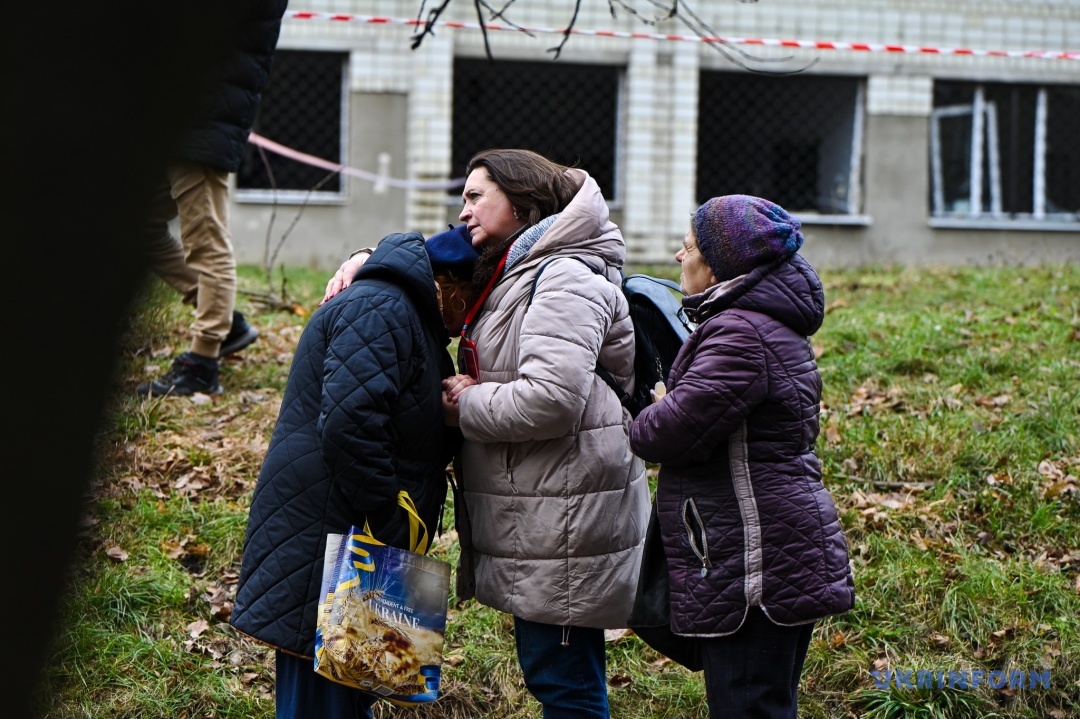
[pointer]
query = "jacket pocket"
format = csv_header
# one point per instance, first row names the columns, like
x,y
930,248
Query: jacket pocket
x,y
695,534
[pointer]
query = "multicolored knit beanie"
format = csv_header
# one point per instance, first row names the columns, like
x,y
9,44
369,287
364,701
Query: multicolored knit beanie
x,y
736,233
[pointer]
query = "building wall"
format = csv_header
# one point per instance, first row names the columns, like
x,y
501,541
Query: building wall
x,y
400,105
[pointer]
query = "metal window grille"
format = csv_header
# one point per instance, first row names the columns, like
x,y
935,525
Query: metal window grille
x,y
1004,151
566,112
793,140
303,108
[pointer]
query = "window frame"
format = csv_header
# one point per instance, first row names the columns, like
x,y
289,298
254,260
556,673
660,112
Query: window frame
x,y
985,134
265,195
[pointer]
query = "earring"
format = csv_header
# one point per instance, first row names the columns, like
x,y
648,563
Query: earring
x,y
517,215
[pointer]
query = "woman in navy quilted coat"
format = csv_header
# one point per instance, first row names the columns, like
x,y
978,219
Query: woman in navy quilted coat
x,y
755,550
361,418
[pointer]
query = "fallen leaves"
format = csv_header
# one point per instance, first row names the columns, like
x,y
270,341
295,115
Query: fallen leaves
x,y
1059,483
196,628
869,399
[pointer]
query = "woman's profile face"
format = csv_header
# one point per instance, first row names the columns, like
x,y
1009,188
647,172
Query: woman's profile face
x,y
696,275
487,211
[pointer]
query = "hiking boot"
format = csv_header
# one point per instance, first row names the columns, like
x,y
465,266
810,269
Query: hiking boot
x,y
190,373
241,334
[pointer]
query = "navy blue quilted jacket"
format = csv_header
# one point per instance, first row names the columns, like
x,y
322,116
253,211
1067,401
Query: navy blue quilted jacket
x,y
361,418
223,120
745,518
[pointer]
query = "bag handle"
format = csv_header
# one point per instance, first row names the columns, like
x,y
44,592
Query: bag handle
x,y
418,534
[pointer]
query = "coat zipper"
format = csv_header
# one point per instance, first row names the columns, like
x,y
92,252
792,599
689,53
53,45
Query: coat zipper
x,y
702,552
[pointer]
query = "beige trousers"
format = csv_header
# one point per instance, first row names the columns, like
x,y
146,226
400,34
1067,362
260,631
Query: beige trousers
x,y
200,265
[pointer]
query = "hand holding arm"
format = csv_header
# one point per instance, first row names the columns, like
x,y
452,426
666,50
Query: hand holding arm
x,y
454,386
452,389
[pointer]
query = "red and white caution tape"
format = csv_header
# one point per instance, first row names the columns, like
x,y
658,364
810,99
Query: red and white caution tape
x,y
279,149
805,44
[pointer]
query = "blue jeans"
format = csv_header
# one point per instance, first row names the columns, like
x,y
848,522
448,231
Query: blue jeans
x,y
570,681
754,673
303,694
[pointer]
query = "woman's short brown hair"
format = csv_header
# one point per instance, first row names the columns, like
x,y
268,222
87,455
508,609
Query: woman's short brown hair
x,y
535,186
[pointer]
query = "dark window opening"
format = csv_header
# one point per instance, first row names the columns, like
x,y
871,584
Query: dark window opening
x,y
302,109
787,139
566,112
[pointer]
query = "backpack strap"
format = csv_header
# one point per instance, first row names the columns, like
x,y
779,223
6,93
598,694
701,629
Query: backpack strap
x,y
624,397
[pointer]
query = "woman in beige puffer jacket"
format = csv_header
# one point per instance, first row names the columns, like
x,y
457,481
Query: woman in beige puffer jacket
x,y
557,502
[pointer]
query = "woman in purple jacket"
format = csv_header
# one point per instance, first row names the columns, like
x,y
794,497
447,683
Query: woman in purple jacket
x,y
755,550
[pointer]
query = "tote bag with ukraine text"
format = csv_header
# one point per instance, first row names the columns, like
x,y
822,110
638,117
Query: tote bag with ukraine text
x,y
382,620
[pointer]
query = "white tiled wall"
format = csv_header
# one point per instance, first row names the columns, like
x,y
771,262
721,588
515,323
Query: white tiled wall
x,y
657,162
899,95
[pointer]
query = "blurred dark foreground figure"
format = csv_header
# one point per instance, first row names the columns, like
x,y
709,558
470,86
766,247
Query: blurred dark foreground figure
x,y
90,104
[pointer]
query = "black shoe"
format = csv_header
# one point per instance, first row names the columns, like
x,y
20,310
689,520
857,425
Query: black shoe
x,y
190,373
241,334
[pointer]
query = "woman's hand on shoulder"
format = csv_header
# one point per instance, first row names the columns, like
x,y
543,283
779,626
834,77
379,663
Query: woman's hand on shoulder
x,y
344,276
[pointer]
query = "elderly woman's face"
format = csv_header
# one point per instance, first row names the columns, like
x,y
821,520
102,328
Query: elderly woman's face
x,y
696,275
455,299
487,211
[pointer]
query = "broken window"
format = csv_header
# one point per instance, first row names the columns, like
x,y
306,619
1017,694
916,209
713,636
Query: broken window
x,y
1005,151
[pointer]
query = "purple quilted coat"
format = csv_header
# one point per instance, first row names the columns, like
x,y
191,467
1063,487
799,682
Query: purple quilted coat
x,y
745,518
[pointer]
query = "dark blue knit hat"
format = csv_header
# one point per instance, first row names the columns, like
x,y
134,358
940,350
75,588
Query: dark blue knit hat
x,y
452,251
736,233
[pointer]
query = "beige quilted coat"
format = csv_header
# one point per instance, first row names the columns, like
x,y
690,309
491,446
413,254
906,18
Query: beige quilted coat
x,y
557,501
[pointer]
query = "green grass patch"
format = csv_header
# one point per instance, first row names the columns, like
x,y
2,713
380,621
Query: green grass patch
x,y
950,442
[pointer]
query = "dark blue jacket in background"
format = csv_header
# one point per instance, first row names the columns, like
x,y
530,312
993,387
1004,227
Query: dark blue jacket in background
x,y
361,418
219,133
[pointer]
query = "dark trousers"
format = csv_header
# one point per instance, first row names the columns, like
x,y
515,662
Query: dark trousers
x,y
303,694
754,673
570,681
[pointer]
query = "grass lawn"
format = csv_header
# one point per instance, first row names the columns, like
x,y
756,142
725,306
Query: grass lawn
x,y
950,442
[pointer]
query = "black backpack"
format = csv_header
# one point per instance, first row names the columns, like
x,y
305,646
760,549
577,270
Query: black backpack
x,y
660,328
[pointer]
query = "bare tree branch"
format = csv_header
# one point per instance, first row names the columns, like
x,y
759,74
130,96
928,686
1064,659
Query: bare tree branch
x,y
669,9
725,48
566,31
631,10
429,24
269,258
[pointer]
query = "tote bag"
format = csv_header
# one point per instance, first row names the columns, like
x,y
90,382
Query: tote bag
x,y
651,616
382,619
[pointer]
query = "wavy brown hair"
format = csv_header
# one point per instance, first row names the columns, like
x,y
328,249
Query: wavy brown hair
x,y
535,186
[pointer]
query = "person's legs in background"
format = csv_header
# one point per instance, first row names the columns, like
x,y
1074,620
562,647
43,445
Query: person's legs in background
x,y
300,693
754,673
163,249
202,203
202,268
565,668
